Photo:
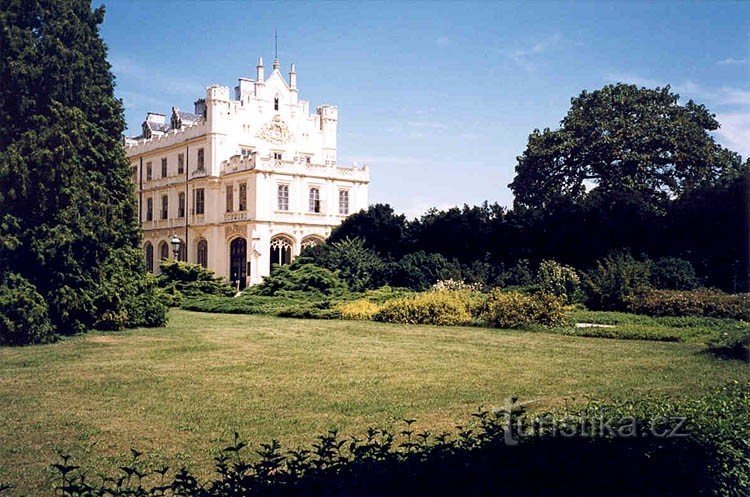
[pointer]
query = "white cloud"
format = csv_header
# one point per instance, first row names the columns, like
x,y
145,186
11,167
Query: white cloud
x,y
524,57
731,61
735,131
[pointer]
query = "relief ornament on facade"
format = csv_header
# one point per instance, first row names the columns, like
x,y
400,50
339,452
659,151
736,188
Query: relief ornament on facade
x,y
276,131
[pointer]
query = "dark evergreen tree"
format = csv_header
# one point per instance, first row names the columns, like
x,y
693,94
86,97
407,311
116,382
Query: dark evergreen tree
x,y
68,220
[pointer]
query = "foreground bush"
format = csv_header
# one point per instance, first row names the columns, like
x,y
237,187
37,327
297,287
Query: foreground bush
x,y
360,310
515,310
654,447
559,280
300,278
24,319
442,308
701,302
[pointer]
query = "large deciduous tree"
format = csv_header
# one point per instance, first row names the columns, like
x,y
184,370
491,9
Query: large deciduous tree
x,y
623,140
68,221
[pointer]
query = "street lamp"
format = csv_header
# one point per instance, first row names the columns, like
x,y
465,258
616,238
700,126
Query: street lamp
x,y
176,247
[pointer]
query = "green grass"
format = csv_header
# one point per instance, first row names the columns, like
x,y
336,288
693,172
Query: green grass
x,y
639,327
181,391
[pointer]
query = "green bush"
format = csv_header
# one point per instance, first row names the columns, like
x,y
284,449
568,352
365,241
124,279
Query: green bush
x,y
24,319
183,279
359,267
671,273
302,278
514,310
731,345
700,302
559,280
386,293
420,270
613,279
436,308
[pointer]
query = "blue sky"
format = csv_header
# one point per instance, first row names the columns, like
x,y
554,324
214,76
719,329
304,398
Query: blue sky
x,y
438,98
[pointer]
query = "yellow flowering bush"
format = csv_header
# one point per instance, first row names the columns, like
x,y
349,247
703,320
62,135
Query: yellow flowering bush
x,y
360,310
514,309
442,308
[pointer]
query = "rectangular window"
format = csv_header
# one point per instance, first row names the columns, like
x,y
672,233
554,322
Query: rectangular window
x,y
164,168
149,209
199,201
201,159
277,156
164,207
181,205
314,200
180,163
343,202
230,198
243,196
283,198
149,171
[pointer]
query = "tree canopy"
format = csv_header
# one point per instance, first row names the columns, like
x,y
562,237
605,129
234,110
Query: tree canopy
x,y
623,140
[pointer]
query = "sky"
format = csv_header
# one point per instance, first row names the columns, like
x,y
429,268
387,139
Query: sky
x,y
438,98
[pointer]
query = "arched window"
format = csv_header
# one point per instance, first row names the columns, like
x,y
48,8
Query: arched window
x,y
283,198
343,202
203,253
276,103
314,200
182,255
310,241
163,251
149,249
281,251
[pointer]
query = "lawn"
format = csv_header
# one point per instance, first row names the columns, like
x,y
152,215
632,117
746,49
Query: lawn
x,y
179,392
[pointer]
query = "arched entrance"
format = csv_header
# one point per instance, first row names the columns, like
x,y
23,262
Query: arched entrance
x,y
238,262
281,251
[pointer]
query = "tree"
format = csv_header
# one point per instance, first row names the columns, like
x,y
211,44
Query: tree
x,y
623,140
68,221
379,227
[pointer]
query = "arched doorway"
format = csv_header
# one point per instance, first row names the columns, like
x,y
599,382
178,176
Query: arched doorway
x,y
281,251
202,255
238,262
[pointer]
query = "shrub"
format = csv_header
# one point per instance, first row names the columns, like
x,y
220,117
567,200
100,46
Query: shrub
x,y
560,280
731,345
24,319
700,302
361,309
456,285
519,274
514,309
303,278
672,273
613,279
386,293
359,267
436,308
420,270
182,279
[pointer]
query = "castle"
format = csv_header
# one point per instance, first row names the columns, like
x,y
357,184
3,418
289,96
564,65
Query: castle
x,y
244,183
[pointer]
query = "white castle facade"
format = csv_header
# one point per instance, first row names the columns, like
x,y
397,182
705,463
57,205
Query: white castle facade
x,y
245,182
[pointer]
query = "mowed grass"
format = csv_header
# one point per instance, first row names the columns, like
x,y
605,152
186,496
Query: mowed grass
x,y
180,392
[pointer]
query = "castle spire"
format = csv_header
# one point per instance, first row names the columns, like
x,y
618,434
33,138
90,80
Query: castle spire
x,y
275,49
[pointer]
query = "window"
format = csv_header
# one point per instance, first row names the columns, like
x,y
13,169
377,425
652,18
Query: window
x,y
180,163
276,103
181,205
343,202
203,253
164,207
230,198
199,201
164,251
164,168
149,209
307,159
283,197
277,156
314,200
149,171
201,159
149,257
243,196
246,152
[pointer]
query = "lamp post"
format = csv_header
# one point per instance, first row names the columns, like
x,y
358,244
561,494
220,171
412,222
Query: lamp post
x,y
176,247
